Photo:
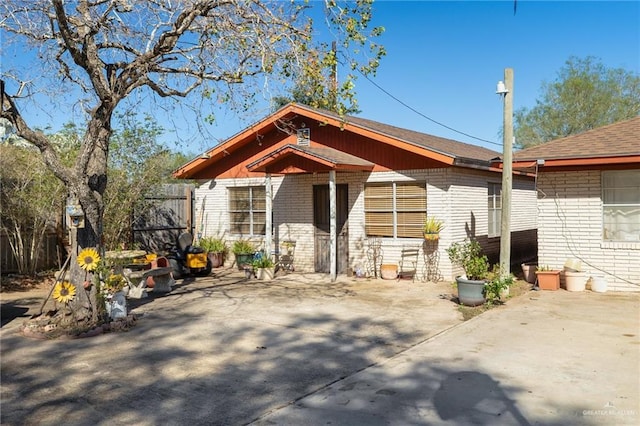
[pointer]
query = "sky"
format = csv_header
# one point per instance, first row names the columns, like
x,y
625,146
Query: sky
x,y
444,60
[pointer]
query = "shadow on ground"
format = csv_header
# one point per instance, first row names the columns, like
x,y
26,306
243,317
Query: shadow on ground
x,y
248,350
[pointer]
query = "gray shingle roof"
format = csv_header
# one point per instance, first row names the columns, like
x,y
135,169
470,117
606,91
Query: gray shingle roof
x,y
614,140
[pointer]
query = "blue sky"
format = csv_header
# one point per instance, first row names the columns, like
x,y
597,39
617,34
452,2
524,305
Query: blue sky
x,y
445,58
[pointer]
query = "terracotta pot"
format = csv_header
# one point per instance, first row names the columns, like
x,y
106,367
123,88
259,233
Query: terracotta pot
x,y
216,259
389,271
548,280
431,236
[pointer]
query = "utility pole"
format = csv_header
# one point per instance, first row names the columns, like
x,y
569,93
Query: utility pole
x,y
507,173
333,96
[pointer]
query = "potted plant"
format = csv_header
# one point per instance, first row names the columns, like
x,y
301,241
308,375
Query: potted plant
x,y
529,272
574,278
216,249
264,267
112,289
468,255
497,286
431,228
388,271
243,251
548,279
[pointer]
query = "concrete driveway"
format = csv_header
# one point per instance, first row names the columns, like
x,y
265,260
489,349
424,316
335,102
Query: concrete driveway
x,y
301,350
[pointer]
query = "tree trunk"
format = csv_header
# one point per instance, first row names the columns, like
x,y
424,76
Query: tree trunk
x,y
87,188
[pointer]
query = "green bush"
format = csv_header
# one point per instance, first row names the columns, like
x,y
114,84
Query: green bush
x,y
496,285
468,256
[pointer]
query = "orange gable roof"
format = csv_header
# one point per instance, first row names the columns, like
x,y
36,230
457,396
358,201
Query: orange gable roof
x,y
445,151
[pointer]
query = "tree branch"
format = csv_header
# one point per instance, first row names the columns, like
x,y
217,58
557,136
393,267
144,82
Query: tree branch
x,y
11,113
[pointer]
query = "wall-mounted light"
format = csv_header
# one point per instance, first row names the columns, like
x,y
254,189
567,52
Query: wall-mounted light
x,y
501,89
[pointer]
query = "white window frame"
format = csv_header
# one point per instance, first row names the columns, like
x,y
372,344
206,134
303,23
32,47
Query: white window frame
x,y
630,207
494,213
252,212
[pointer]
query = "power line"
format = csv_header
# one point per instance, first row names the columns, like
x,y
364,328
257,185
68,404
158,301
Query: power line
x,y
424,116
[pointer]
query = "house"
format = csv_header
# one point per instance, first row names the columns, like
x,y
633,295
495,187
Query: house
x,y
353,193
589,201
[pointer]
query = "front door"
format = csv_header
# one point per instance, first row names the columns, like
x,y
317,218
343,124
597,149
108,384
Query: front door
x,y
321,226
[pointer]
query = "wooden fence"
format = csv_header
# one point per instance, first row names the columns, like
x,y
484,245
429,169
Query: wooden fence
x,y
49,254
170,213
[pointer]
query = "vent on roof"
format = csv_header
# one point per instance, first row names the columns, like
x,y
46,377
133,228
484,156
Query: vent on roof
x,y
304,136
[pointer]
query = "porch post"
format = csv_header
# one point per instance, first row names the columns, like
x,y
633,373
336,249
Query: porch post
x,y
332,224
269,213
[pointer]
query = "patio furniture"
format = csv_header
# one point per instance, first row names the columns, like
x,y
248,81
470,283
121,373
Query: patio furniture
x,y
409,262
284,257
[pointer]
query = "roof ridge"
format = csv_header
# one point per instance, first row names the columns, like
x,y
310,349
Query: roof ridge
x,y
379,127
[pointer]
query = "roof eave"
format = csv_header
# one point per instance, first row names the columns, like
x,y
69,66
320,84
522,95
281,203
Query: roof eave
x,y
576,162
262,164
225,148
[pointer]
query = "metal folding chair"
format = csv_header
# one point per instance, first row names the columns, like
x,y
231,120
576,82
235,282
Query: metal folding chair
x,y
409,263
285,255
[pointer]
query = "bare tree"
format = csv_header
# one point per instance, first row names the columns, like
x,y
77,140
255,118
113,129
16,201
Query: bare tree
x,y
98,53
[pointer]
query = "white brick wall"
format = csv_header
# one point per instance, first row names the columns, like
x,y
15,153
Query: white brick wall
x,y
457,196
570,226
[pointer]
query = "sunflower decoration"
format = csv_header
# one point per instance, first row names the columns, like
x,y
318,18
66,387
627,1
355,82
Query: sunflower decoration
x,y
88,259
114,283
64,292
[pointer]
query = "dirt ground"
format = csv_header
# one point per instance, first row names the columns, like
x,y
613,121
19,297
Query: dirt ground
x,y
21,283
33,291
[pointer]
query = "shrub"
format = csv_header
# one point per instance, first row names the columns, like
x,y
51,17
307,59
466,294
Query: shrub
x,y
468,256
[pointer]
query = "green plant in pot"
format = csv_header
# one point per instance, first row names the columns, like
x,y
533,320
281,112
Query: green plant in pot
x,y
264,267
497,286
431,228
216,249
468,255
243,250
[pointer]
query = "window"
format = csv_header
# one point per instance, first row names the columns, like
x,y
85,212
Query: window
x,y
494,205
247,205
621,205
395,209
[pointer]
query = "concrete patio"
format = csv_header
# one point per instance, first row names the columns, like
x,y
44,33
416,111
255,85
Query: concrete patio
x,y
301,350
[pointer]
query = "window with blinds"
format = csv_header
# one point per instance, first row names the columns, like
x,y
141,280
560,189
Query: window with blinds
x,y
247,210
621,205
395,209
494,206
